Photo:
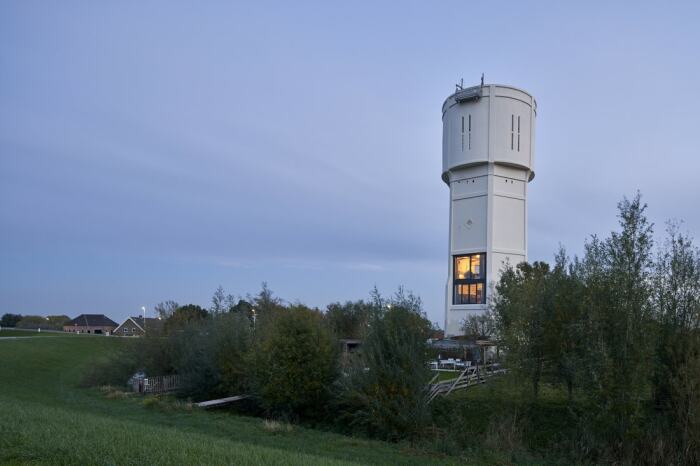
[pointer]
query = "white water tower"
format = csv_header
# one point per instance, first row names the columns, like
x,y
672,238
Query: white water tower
x,y
487,161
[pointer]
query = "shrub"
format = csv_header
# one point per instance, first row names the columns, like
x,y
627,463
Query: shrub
x,y
384,393
152,355
210,356
10,320
294,363
34,322
183,316
349,320
233,337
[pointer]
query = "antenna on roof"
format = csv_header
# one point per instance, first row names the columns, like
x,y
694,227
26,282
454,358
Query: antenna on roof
x,y
482,79
460,86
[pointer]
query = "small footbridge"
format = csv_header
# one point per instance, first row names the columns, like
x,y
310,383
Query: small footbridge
x,y
470,376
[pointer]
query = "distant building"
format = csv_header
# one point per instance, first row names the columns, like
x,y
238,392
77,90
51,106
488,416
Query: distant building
x,y
350,349
90,323
138,327
350,345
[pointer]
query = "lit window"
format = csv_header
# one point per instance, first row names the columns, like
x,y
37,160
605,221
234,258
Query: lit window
x,y
469,279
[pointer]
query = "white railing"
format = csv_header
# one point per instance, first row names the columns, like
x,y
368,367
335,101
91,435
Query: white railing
x,y
158,384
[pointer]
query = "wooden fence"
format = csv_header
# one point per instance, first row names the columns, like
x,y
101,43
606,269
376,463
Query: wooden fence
x,y
159,384
470,376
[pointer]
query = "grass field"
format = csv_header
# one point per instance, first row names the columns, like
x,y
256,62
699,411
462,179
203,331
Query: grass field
x,y
46,419
446,375
11,332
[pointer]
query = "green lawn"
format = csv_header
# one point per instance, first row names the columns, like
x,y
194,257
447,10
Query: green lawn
x,y
11,332
46,419
543,426
446,375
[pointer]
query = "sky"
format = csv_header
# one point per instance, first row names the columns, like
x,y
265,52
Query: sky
x,y
156,150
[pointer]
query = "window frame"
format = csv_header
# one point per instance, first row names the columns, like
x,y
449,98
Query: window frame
x,y
457,283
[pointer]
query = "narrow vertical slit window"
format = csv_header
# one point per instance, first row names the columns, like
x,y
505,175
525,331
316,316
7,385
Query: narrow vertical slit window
x,y
512,130
462,134
518,133
470,131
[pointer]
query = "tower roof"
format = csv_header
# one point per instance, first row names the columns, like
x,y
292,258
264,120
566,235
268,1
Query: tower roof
x,y
92,320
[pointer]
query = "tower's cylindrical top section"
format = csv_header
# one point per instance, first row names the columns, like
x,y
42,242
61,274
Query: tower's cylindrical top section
x,y
488,124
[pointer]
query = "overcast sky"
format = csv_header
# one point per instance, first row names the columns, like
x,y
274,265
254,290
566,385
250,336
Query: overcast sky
x,y
155,150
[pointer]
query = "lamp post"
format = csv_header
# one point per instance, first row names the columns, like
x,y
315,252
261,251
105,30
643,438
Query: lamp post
x,y
143,309
254,319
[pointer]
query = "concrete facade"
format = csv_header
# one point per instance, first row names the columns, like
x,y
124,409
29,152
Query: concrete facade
x,y
488,161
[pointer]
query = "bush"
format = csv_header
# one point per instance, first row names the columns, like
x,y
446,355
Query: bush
x,y
294,363
384,394
210,356
10,320
152,355
349,320
233,336
115,369
34,322
183,316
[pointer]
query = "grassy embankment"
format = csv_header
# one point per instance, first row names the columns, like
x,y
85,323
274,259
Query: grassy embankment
x,y
46,419
17,332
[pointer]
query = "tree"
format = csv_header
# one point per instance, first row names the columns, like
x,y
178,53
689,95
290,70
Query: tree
x,y
221,302
676,298
265,305
480,327
616,274
233,338
538,316
218,302
384,392
294,363
165,309
242,307
349,320
521,306
183,316
210,355
57,322
36,322
10,320
565,338
407,300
